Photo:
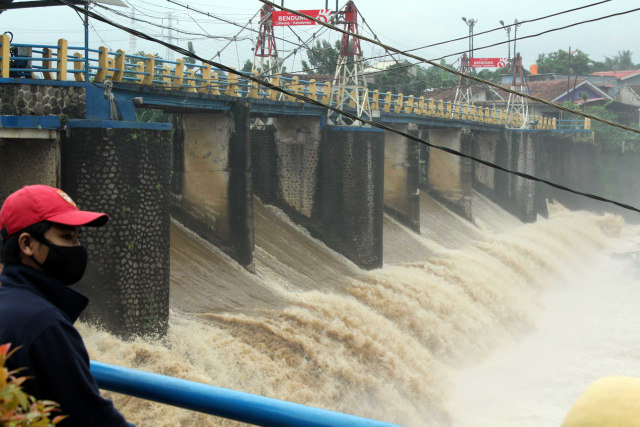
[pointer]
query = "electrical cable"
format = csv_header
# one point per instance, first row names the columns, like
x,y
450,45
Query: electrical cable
x,y
352,116
504,42
458,73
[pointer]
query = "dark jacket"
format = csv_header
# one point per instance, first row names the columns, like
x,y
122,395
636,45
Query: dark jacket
x,y
37,314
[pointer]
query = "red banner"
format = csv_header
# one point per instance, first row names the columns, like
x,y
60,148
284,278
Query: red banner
x,y
282,18
488,62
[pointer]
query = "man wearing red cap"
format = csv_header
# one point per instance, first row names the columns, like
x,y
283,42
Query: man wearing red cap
x,y
41,253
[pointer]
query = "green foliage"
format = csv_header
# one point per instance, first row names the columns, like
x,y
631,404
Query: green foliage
x,y
437,78
152,115
17,408
401,78
248,66
561,62
605,135
621,61
323,58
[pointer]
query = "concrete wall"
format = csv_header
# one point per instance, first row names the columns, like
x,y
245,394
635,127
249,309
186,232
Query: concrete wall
x,y
329,180
401,177
484,148
212,179
123,169
449,176
28,162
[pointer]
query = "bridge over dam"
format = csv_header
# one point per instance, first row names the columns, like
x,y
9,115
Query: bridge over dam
x,y
70,121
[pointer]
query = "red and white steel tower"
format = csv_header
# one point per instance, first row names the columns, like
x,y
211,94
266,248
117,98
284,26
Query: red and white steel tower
x,y
517,106
349,88
463,90
266,45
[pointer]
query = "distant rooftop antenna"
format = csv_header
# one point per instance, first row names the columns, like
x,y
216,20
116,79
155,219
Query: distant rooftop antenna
x,y
132,38
169,54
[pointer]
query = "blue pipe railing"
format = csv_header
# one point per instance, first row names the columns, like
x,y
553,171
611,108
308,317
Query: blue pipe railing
x,y
235,405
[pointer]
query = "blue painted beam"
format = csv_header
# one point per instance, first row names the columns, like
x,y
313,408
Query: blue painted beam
x,y
235,405
30,122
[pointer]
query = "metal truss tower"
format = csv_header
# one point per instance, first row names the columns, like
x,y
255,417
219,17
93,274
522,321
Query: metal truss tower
x,y
517,106
349,88
266,45
463,90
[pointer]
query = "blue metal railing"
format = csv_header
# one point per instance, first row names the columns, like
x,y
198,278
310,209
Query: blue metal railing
x,y
235,405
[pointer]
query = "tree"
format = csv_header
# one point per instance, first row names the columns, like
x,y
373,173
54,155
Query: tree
x,y
621,61
563,62
323,58
248,66
401,78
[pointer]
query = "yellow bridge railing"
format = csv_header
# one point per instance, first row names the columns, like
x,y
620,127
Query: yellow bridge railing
x,y
55,62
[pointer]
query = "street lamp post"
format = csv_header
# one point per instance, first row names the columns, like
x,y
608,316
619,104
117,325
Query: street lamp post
x,y
508,30
470,22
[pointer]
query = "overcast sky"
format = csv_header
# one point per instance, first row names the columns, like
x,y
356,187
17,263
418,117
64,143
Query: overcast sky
x,y
404,24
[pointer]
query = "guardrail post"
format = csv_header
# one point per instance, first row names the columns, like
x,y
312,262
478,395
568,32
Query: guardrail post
x,y
431,108
179,73
5,51
46,63
326,92
313,90
166,76
120,65
63,45
78,66
103,63
408,106
273,94
232,87
191,80
149,69
387,102
399,103
110,64
553,123
587,123
205,84
422,106
139,66
254,88
214,84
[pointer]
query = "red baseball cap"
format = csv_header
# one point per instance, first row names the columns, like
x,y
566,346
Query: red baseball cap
x,y
34,203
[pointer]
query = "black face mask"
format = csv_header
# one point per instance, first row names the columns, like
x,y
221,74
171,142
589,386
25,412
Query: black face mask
x,y
65,263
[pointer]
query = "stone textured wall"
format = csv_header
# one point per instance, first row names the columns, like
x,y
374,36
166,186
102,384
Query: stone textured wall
x,y
401,178
28,162
124,172
349,202
212,185
22,99
297,145
264,164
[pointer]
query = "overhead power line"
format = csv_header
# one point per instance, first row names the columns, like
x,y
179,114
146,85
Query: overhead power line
x,y
456,72
352,116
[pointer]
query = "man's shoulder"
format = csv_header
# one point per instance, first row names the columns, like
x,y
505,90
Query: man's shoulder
x,y
22,310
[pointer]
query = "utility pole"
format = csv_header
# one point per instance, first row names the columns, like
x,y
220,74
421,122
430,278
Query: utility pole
x,y
470,22
516,24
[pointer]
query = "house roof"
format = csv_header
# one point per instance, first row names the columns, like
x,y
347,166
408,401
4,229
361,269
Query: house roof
x,y
621,75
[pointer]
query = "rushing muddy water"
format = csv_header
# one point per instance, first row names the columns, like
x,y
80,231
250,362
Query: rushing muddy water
x,y
460,322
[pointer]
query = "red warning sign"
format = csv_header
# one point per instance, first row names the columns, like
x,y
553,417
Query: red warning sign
x,y
283,18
